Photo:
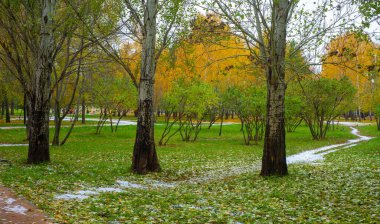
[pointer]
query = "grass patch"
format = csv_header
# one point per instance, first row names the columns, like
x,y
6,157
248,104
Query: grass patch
x,y
308,194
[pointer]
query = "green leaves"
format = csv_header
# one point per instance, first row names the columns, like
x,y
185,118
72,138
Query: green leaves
x,y
325,99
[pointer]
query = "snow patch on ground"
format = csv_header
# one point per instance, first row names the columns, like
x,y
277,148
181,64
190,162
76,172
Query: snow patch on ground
x,y
161,184
351,123
16,209
87,192
314,157
71,196
108,189
12,145
83,194
127,184
10,200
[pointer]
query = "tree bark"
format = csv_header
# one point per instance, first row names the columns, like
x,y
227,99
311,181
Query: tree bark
x,y
7,114
12,107
2,110
57,122
39,102
274,156
144,154
83,111
25,108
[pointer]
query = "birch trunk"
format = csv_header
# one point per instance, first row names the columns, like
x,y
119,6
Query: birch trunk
x,y
274,157
144,154
39,102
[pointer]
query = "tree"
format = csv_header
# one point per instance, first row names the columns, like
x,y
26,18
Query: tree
x,y
353,56
293,108
69,63
272,57
173,103
199,98
324,100
144,153
39,102
144,28
251,111
211,53
29,54
265,24
111,91
377,116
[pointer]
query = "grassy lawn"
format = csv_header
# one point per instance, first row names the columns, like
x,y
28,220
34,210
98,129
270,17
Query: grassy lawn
x,y
345,188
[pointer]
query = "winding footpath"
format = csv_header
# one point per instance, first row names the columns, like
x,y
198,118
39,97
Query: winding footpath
x,y
311,156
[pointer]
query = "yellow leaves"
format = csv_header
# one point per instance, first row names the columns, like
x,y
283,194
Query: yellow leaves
x,y
355,58
216,57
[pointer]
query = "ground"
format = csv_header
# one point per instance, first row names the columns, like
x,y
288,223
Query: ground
x,y
342,188
14,209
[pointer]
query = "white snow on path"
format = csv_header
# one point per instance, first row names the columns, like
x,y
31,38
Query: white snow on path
x,y
83,194
12,145
10,207
16,209
121,123
351,123
311,157
315,155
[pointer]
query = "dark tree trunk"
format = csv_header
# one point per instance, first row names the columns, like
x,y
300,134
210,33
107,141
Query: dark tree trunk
x,y
25,108
2,109
274,156
144,153
83,112
57,124
221,124
39,98
7,114
38,137
12,107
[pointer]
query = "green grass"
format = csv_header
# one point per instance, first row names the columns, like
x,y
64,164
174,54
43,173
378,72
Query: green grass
x,y
339,190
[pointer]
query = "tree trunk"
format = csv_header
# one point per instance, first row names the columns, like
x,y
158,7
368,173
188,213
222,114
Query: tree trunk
x,y
2,110
83,112
221,124
274,156
12,107
144,154
25,108
39,98
7,114
57,123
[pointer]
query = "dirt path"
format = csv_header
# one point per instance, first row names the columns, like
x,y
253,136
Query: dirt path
x,y
14,209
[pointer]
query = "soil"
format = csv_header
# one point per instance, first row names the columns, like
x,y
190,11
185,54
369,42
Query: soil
x,y
15,209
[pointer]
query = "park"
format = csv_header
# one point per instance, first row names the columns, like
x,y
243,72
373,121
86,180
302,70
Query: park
x,y
186,111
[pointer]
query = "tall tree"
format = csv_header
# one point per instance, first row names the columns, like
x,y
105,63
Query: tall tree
x,y
274,157
265,24
144,153
270,36
39,103
143,24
